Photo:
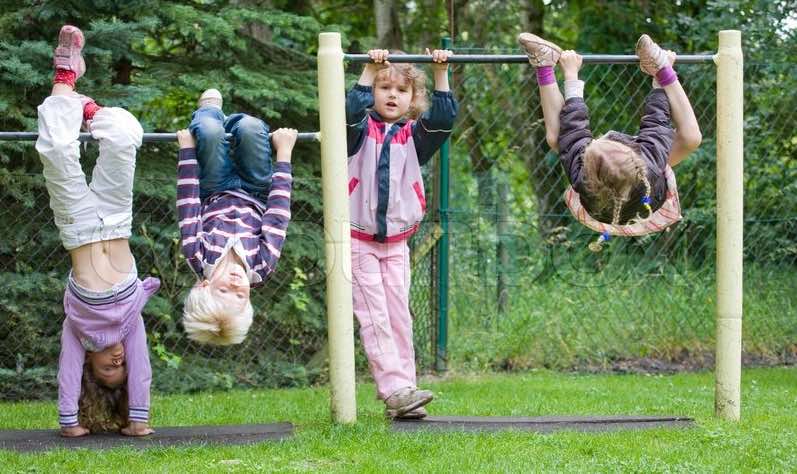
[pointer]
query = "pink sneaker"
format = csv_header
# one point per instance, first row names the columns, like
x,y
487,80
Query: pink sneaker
x,y
68,52
540,52
652,58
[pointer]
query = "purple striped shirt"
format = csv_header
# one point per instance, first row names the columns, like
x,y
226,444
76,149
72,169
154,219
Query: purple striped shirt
x,y
206,228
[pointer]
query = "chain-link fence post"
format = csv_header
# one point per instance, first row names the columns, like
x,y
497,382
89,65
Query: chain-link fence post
x,y
441,356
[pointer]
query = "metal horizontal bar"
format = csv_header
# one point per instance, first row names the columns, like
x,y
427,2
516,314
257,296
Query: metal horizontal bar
x,y
517,58
148,137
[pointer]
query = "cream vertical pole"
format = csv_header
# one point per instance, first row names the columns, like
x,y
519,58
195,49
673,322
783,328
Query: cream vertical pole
x,y
730,200
334,176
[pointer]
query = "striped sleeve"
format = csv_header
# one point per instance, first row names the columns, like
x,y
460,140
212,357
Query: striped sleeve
x,y
189,209
275,219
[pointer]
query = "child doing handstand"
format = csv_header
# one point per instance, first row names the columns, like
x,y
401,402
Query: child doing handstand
x,y
234,214
620,184
104,373
390,137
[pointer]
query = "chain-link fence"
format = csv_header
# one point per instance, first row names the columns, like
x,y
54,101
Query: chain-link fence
x,y
524,289
286,345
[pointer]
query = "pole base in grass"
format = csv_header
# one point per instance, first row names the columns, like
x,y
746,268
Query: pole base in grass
x,y
541,424
42,440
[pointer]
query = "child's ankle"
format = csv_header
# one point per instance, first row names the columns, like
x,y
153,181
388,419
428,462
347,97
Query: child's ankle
x,y
60,88
666,76
545,75
65,76
89,109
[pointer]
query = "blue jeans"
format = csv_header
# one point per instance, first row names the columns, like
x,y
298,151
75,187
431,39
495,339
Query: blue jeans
x,y
249,167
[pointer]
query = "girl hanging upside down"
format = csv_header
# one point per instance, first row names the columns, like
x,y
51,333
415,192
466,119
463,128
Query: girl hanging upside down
x,y
620,184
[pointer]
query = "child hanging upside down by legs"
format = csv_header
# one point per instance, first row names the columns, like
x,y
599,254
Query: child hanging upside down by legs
x,y
104,373
234,215
620,184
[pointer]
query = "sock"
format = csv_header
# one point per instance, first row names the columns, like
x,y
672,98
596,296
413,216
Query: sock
x,y
65,76
545,75
89,110
666,76
574,88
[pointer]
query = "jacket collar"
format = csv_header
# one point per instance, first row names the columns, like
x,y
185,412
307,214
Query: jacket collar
x,y
378,118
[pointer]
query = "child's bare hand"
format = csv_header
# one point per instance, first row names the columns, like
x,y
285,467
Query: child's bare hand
x,y
570,62
137,428
284,139
378,59
74,431
440,58
185,139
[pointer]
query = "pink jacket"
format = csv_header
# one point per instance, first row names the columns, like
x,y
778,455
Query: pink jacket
x,y
386,194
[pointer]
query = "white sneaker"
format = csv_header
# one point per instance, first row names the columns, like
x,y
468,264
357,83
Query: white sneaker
x,y
652,58
540,52
210,98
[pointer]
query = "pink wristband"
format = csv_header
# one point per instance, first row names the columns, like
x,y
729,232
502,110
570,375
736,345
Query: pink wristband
x,y
545,75
666,76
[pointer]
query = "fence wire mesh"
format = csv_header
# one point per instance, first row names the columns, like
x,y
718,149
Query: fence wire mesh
x,y
524,289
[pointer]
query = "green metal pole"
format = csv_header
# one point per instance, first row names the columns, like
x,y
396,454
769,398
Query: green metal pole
x,y
441,356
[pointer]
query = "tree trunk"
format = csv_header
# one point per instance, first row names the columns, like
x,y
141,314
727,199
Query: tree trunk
x,y
257,31
123,70
388,29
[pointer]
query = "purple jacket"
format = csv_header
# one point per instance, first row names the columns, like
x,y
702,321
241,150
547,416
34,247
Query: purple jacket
x,y
653,143
96,325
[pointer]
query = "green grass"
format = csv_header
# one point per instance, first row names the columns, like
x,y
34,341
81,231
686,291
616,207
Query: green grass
x,y
763,441
577,318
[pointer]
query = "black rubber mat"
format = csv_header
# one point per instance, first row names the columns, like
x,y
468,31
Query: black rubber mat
x,y
41,440
542,424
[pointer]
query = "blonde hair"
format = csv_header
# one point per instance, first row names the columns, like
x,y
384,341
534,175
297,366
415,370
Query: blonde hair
x,y
101,408
415,78
210,322
612,172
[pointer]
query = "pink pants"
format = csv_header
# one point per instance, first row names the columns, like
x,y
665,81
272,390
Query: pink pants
x,y
381,290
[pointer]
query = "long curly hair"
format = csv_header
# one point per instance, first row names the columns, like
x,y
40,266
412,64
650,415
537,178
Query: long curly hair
x,y
414,77
101,408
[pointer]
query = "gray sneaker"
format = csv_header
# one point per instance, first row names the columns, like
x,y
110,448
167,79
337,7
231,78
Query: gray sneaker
x,y
540,52
415,414
406,400
652,58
